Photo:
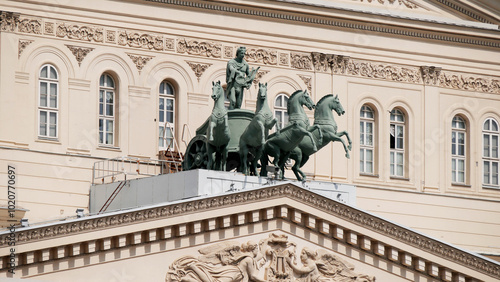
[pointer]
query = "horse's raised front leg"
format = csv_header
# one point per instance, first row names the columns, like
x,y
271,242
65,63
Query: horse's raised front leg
x,y
314,127
275,122
342,133
346,148
304,131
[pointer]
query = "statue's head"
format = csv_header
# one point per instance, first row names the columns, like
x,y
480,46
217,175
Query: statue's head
x,y
240,52
217,90
307,101
337,106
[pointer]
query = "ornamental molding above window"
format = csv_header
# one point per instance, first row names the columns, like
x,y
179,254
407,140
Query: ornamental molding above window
x,y
198,68
140,61
79,52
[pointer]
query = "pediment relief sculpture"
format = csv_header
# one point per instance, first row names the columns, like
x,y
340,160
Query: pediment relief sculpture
x,y
272,259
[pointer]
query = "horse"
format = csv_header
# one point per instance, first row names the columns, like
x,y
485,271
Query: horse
x,y
218,134
323,118
255,135
279,146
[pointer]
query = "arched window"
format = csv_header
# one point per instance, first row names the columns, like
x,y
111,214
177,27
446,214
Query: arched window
x,y
280,112
367,151
166,115
48,108
490,153
458,137
397,143
107,110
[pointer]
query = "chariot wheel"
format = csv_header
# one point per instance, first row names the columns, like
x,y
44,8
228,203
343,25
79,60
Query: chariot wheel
x,y
196,153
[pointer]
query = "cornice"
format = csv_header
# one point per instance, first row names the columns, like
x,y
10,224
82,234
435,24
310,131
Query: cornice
x,y
337,64
326,205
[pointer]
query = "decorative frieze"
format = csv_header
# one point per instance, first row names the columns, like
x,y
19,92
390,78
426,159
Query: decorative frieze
x,y
8,21
22,45
430,74
228,52
301,61
139,60
384,71
198,68
110,36
169,44
469,82
140,40
201,48
49,28
79,52
405,3
263,56
284,59
80,32
30,26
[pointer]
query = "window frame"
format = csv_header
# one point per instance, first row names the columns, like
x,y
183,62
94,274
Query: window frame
x,y
162,125
103,116
402,151
456,157
48,109
490,159
364,147
282,110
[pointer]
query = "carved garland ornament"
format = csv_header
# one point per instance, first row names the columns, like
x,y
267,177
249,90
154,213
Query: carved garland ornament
x,y
139,61
79,52
263,56
406,3
307,80
8,21
22,45
85,33
137,40
198,68
468,82
201,48
381,71
272,259
30,26
259,76
301,61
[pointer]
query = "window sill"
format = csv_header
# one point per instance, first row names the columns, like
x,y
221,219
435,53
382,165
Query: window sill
x,y
48,140
109,148
491,187
399,178
461,185
368,174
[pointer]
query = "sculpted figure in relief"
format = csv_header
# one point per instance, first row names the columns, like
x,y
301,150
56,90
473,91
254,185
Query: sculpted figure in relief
x,y
273,259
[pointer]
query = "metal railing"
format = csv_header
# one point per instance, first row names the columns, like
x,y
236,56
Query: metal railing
x,y
126,168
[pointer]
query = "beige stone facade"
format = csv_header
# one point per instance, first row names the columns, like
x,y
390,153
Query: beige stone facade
x,y
435,62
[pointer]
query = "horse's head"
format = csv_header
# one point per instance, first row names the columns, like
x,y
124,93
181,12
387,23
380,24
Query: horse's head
x,y
262,91
335,105
217,90
306,100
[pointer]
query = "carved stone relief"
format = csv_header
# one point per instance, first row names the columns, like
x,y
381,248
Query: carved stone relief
x,y
137,40
79,52
85,33
301,61
405,3
263,56
201,48
307,80
383,71
30,26
49,28
169,44
469,82
430,75
284,61
139,60
228,52
22,45
272,259
259,75
110,36
198,68
8,21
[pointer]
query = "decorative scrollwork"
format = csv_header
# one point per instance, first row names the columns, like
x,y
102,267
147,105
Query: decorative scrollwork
x,y
30,26
84,33
382,71
203,48
79,52
307,80
469,82
22,45
263,56
430,75
139,61
8,21
301,61
137,40
198,68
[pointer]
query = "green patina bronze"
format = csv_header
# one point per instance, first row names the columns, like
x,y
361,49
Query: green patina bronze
x,y
323,118
238,77
218,133
280,146
255,135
